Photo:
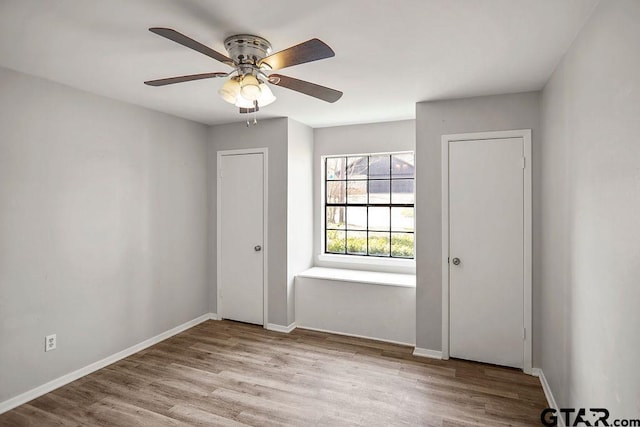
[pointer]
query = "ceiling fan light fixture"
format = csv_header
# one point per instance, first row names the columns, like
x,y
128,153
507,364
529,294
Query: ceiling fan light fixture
x,y
249,55
250,87
243,102
266,96
230,90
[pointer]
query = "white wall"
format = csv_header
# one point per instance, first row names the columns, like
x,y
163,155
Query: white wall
x,y
368,310
290,217
354,139
590,245
375,311
273,135
102,227
434,119
299,207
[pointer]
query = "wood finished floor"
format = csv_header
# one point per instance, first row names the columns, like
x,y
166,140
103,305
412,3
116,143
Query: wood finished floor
x,y
232,374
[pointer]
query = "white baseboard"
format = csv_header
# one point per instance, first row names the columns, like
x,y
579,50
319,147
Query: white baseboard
x,y
425,352
280,328
355,335
537,372
72,376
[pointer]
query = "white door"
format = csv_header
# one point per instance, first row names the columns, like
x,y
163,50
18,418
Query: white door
x,y
486,250
241,230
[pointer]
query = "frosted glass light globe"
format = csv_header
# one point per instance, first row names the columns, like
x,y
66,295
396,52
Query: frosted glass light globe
x,y
250,87
230,90
266,96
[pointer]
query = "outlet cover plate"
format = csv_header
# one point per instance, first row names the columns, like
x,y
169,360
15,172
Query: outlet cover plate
x,y
50,342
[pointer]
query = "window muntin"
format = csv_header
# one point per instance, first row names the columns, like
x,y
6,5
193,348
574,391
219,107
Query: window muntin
x,y
369,205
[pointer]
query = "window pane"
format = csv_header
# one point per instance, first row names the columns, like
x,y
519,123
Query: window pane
x,y
356,218
379,192
335,217
379,244
356,191
379,167
402,191
357,242
402,219
379,219
362,212
335,241
402,165
336,191
336,168
357,167
402,245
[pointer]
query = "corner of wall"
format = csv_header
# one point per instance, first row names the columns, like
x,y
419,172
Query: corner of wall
x,y
299,217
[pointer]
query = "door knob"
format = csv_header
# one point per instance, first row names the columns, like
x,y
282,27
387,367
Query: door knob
x,y
257,248
456,261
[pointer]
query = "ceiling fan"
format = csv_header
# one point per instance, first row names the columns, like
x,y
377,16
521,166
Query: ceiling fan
x,y
251,59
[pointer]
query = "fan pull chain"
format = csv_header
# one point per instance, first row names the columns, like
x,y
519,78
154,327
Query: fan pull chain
x,y
255,112
255,121
255,109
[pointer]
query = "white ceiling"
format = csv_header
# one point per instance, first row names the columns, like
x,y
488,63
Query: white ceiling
x,y
390,54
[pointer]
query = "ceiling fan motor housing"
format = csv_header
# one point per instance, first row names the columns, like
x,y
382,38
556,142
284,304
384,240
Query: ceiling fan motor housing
x,y
247,48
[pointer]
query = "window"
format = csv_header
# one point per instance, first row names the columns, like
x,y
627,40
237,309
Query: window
x,y
369,205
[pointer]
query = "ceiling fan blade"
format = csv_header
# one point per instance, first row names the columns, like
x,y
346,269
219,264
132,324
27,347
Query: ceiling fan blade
x,y
172,80
311,50
180,38
311,89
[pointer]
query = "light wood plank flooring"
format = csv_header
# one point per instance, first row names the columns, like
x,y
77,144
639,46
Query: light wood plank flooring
x,y
232,374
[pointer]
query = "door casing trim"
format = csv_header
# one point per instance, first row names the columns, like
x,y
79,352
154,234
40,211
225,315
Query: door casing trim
x,y
265,243
525,134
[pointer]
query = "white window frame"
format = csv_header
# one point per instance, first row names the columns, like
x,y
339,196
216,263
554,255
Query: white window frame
x,y
359,262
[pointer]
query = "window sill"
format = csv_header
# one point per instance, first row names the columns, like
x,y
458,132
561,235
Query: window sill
x,y
373,264
359,276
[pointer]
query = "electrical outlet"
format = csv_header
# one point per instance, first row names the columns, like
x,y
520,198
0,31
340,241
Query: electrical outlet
x,y
50,342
